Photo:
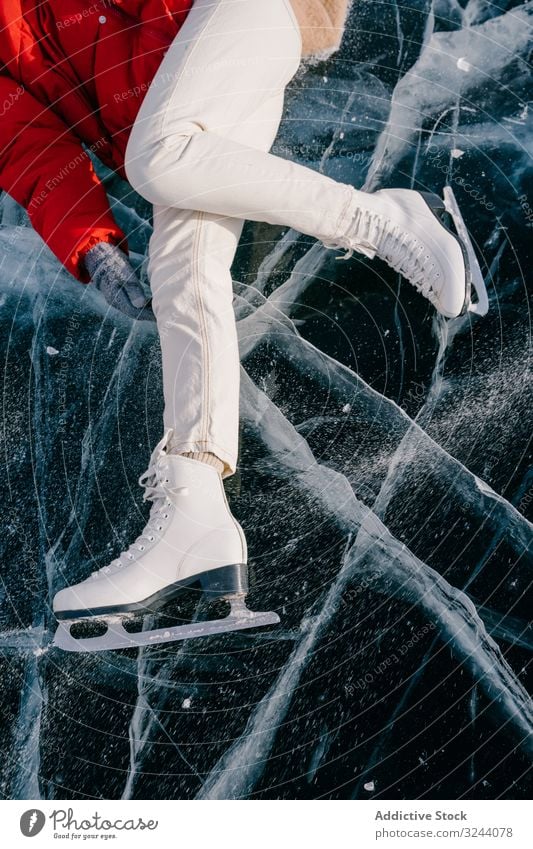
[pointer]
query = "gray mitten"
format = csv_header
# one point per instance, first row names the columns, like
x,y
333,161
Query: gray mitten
x,y
113,276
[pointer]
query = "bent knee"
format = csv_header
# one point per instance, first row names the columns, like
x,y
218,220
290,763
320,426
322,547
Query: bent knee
x,y
150,158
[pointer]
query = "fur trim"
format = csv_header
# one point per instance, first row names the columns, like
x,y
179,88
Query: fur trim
x,y
321,24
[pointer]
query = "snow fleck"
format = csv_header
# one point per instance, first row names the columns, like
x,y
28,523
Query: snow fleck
x,y
457,153
463,65
341,135
370,786
52,351
346,408
186,703
324,79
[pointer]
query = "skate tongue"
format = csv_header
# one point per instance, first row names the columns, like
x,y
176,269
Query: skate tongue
x,y
162,445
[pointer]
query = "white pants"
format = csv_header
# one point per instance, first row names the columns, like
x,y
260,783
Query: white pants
x,y
199,152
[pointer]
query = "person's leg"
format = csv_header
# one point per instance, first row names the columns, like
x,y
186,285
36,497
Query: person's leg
x,y
189,271
190,257
191,535
228,58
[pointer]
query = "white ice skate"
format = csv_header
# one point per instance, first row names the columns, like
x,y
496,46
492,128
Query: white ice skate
x,y
191,539
407,230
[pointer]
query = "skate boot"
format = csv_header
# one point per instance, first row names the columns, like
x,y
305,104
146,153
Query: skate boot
x,y
191,539
406,229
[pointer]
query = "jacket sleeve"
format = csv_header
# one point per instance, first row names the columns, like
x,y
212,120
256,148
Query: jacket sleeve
x,y
44,167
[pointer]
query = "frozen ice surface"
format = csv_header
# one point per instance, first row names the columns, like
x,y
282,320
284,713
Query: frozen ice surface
x,y
385,479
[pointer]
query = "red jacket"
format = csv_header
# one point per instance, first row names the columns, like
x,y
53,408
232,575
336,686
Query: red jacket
x,y
74,71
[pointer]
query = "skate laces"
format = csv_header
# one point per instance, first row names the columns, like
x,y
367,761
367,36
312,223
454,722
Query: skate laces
x,y
157,490
376,234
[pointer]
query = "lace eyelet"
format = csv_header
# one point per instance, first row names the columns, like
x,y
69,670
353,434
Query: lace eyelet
x,y
141,548
151,539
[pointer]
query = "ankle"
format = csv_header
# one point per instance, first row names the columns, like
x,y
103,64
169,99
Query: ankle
x,y
204,457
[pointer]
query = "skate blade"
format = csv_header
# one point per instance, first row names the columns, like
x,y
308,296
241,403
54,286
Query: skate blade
x,y
116,637
481,306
